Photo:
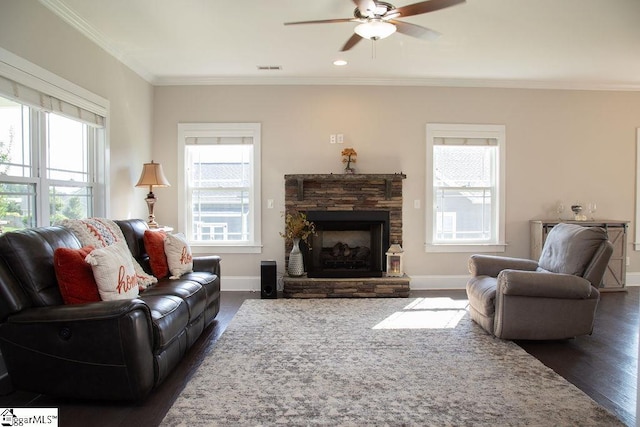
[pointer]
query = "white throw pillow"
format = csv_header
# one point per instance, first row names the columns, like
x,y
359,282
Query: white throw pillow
x,y
114,272
179,257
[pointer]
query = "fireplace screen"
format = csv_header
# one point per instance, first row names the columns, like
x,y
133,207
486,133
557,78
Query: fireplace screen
x,y
348,244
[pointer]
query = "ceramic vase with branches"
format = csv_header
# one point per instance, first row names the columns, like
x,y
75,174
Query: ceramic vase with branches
x,y
296,228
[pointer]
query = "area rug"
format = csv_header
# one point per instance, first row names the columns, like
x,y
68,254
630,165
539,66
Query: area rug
x,y
417,361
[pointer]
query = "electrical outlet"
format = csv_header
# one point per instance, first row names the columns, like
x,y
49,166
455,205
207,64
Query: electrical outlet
x,y
416,204
332,138
340,138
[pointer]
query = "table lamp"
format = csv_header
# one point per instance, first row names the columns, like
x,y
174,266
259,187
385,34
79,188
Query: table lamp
x,y
152,176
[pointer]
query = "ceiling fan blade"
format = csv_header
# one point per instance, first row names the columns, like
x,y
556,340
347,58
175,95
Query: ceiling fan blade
x,y
322,21
425,6
414,30
366,7
353,40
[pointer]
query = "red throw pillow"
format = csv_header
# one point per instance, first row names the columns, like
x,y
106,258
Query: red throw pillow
x,y
75,276
154,244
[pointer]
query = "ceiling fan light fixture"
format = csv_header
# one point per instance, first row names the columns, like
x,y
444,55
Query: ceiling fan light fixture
x,y
375,29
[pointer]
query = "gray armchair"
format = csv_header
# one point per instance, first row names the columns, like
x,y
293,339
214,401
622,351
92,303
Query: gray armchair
x,y
552,298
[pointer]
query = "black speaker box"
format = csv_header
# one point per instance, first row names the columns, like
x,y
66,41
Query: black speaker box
x,y
268,280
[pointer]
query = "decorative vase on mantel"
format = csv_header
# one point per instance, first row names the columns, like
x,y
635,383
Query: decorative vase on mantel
x,y
296,265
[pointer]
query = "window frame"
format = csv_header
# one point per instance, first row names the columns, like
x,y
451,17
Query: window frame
x,y
221,130
35,79
443,130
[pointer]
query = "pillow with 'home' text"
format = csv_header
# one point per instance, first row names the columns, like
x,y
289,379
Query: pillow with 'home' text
x,y
114,272
179,257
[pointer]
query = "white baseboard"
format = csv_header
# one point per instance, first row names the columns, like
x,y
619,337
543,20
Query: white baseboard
x,y
240,283
439,282
434,282
633,279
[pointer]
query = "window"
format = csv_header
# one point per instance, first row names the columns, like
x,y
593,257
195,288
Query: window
x,y
70,173
220,185
465,188
63,187
52,148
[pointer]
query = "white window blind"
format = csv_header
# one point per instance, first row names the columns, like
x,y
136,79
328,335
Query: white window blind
x,y
219,140
466,141
35,98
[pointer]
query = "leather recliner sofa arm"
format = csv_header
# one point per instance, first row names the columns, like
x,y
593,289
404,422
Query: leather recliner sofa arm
x,y
209,264
79,312
492,265
103,350
543,285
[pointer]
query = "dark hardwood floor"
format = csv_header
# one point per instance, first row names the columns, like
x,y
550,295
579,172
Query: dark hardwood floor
x,y
603,365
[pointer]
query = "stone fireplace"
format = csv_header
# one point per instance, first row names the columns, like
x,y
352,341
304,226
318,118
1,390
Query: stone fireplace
x,y
357,217
348,243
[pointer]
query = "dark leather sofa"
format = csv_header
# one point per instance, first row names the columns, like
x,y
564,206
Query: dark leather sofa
x,y
114,350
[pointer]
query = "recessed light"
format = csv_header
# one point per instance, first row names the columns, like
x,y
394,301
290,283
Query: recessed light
x,y
339,62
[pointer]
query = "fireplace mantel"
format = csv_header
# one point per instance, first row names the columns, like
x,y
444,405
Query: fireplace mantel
x,y
347,176
386,178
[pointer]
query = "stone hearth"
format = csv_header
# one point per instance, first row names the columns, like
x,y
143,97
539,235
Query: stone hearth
x,y
304,287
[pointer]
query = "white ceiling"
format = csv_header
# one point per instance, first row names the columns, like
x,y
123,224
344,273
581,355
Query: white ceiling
x,y
582,44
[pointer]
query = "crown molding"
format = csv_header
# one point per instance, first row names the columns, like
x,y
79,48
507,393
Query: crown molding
x,y
76,21
399,81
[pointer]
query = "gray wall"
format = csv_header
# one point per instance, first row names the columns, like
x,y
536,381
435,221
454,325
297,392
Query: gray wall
x,y
561,146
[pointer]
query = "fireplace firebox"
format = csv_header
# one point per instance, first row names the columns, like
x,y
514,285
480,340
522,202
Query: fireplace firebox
x,y
347,244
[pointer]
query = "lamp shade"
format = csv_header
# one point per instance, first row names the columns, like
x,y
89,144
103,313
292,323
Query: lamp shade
x,y
152,175
375,29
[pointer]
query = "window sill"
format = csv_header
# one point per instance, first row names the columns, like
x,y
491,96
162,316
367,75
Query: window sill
x,y
457,247
200,249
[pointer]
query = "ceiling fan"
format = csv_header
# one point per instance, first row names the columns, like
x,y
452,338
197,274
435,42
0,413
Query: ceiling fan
x,y
378,20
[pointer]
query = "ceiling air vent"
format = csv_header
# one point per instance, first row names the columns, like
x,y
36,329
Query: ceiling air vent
x,y
269,67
